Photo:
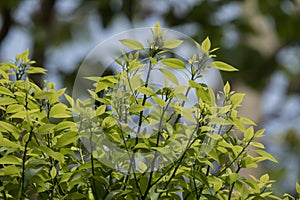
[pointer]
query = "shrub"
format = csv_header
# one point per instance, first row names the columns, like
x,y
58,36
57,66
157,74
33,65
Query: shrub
x,y
55,150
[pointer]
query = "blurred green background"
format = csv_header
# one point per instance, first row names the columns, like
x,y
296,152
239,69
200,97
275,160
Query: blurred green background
x,y
260,37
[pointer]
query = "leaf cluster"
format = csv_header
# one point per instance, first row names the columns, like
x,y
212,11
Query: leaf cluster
x,y
141,141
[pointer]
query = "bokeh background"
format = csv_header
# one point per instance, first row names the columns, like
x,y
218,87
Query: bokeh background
x,y
260,37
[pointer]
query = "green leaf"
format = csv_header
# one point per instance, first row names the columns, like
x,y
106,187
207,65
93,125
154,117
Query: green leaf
x,y
223,66
43,94
264,178
194,84
53,172
157,29
56,155
10,128
5,91
14,108
298,188
36,70
265,155
237,99
10,170
153,61
232,178
169,75
4,101
257,144
7,143
146,91
65,125
141,146
45,129
159,101
206,45
136,108
10,160
100,110
59,111
226,88
132,44
23,56
65,139
143,167
69,99
76,195
248,162
259,133
174,63
237,123
172,44
249,133
30,173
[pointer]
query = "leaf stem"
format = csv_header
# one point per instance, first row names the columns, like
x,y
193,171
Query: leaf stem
x,y
22,188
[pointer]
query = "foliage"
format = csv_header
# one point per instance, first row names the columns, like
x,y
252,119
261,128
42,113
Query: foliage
x,y
45,152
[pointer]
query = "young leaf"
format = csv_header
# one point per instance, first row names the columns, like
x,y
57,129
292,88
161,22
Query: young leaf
x,y
36,70
298,188
53,172
6,91
146,91
226,88
172,44
56,155
157,29
132,44
59,111
206,45
136,108
174,63
143,167
65,139
10,160
169,75
100,110
265,155
223,66
249,133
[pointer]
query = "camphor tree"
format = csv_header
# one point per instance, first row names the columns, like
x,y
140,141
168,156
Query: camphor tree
x,y
131,138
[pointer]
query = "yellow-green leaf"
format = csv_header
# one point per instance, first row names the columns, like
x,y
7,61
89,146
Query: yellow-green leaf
x,y
223,66
265,155
7,143
169,75
7,101
6,91
298,188
100,110
59,111
66,138
249,133
53,172
136,108
206,44
10,160
36,70
226,88
56,155
172,44
132,44
146,91
143,166
10,128
174,63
